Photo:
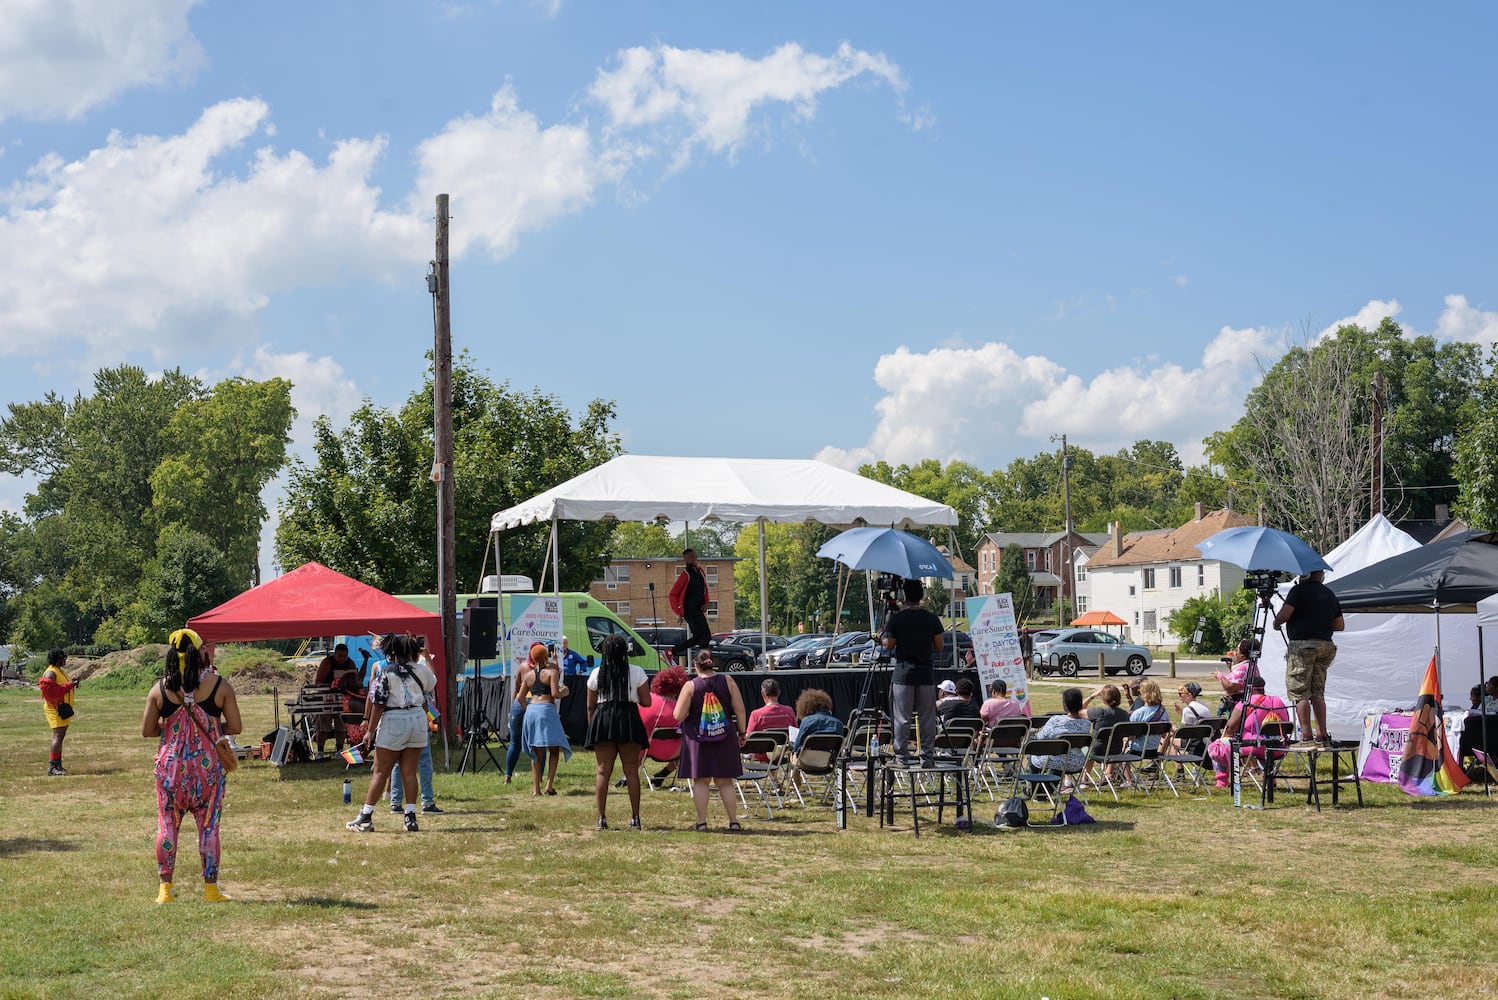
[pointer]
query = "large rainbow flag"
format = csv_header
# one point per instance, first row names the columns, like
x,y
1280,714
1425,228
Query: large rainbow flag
x,y
1428,766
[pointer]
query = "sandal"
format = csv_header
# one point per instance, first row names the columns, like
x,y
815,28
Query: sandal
x,y
700,827
735,828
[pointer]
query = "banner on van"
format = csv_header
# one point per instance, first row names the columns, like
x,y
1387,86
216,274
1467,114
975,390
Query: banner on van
x,y
533,618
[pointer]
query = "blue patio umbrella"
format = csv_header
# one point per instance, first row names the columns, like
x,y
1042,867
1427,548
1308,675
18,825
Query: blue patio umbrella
x,y
887,550
1263,548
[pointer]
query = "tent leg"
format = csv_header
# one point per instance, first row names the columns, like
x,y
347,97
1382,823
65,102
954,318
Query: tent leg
x,y
556,571
1482,682
764,586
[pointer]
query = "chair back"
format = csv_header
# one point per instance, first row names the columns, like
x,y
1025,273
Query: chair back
x,y
758,743
1118,735
1216,723
1050,747
818,752
1008,734
1276,733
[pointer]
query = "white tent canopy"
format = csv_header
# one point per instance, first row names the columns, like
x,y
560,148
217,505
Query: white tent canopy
x,y
1487,611
1381,658
645,487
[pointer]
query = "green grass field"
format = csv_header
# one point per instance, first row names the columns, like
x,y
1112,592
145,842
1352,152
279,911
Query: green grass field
x,y
511,896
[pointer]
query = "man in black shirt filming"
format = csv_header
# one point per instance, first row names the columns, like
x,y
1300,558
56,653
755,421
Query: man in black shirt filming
x,y
1311,613
914,634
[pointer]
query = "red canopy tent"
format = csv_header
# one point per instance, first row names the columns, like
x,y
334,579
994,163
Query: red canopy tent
x,y
315,600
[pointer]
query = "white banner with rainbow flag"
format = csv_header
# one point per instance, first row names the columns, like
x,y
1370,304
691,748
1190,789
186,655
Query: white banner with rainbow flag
x,y
990,622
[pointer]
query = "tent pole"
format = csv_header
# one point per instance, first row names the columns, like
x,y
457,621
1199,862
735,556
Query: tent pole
x,y
556,572
1482,718
764,588
868,586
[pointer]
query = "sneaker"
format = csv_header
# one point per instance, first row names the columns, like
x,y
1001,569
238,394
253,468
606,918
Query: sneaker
x,y
432,809
1305,745
55,770
362,823
1326,743
623,783
397,808
634,823
411,826
603,824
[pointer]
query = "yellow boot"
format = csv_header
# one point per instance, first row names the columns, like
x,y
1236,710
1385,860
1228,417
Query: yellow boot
x,y
164,894
212,895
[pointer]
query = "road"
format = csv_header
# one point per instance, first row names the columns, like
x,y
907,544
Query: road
x,y
1197,670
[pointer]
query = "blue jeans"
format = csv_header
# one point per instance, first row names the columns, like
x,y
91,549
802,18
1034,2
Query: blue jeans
x,y
517,719
423,774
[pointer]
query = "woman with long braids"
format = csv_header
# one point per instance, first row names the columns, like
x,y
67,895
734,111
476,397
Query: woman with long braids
x,y
397,725
617,690
191,709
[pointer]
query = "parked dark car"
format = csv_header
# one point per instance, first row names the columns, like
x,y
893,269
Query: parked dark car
x,y
793,657
662,637
822,656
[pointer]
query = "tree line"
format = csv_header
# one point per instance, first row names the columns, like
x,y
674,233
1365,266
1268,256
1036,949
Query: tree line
x,y
147,500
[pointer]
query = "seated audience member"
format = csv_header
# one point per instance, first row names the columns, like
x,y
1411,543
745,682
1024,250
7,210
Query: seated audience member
x,y
814,709
1238,662
1130,690
1104,717
665,686
1248,717
1476,696
1193,712
999,705
1151,709
959,706
1490,697
772,714
1073,721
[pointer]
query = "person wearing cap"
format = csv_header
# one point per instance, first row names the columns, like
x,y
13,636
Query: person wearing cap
x,y
1247,719
1193,712
190,709
955,703
1310,615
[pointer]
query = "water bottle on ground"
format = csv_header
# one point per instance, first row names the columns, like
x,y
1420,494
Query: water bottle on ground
x,y
348,791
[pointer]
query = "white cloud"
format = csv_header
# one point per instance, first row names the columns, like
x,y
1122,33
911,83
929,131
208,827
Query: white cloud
x,y
691,98
59,58
1180,280
152,243
1367,317
138,244
1460,321
510,174
319,387
989,404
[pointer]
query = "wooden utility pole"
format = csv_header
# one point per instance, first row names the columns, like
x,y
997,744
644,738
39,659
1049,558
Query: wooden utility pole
x,y
1376,505
442,466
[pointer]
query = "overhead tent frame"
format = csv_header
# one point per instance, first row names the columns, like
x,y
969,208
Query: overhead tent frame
x,y
761,490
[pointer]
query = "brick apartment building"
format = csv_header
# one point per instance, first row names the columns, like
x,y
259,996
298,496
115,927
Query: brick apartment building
x,y
626,589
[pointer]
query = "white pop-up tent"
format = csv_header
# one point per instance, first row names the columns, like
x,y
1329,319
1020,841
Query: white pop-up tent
x,y
1381,657
762,490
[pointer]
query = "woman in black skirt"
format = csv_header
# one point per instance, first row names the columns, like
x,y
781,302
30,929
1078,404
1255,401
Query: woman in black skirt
x,y
617,690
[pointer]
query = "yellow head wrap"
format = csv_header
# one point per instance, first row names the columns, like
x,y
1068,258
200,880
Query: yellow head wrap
x,y
175,639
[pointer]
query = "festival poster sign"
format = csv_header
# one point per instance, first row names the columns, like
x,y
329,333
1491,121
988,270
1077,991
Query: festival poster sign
x,y
990,622
533,618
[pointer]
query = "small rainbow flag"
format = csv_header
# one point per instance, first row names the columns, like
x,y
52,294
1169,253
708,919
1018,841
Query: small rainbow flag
x,y
432,714
352,755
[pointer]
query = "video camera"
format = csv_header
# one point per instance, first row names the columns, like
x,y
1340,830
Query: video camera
x,y
1263,582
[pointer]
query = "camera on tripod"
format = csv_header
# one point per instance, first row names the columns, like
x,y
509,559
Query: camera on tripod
x,y
1263,582
890,588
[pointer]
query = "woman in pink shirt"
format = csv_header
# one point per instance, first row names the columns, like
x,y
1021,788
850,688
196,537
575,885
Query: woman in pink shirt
x,y
999,705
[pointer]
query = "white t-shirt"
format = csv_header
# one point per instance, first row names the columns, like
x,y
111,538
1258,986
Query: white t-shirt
x,y
1195,712
637,676
395,688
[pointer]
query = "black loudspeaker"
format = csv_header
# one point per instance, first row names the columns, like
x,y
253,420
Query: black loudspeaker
x,y
481,630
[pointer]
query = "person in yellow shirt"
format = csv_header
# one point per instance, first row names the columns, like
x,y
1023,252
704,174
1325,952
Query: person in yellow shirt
x,y
57,704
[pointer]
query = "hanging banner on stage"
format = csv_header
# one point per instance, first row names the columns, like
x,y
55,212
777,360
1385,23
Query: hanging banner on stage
x,y
533,618
990,621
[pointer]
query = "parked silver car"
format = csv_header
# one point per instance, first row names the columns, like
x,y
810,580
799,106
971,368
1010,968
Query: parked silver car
x,y
1069,651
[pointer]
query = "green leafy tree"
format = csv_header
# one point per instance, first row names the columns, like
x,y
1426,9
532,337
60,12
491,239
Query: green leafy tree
x,y
224,449
366,505
633,540
1477,456
1212,611
959,485
45,618
188,576
780,556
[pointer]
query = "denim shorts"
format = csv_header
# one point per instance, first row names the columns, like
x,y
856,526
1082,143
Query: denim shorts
x,y
401,729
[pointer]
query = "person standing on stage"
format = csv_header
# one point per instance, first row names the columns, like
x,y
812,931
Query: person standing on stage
x,y
689,599
1311,613
914,634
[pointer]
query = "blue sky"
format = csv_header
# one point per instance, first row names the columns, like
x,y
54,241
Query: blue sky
x,y
844,230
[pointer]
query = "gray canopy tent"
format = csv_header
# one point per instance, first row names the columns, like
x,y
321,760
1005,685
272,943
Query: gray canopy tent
x,y
762,490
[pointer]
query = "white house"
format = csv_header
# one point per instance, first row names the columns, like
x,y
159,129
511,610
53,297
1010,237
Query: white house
x,y
1143,577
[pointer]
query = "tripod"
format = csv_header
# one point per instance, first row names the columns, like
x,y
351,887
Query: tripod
x,y
1263,616
476,736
